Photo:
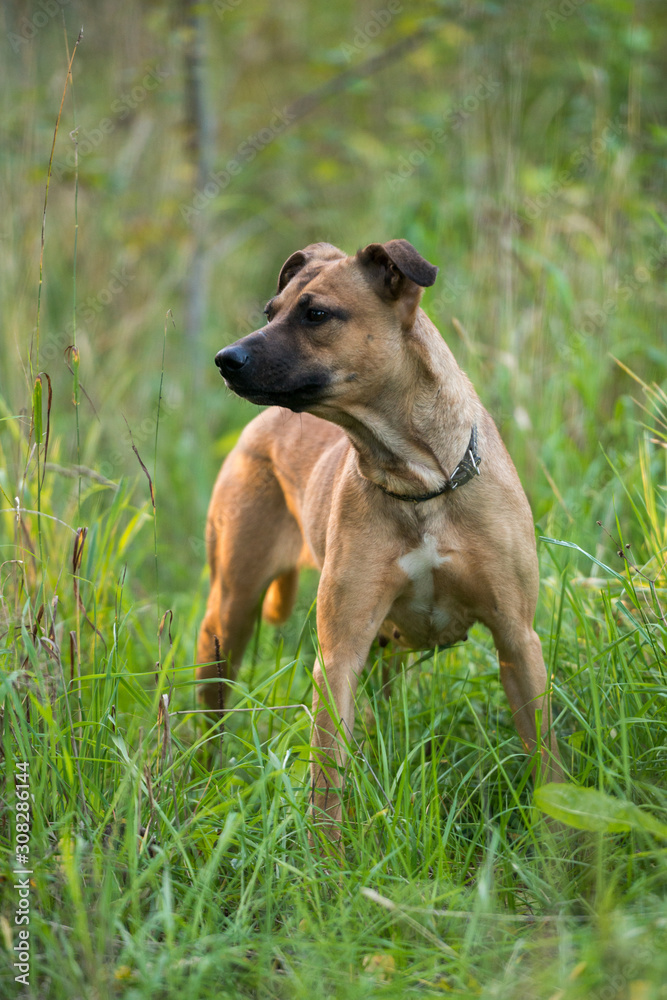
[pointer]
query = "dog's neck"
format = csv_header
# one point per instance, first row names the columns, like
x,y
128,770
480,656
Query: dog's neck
x,y
410,441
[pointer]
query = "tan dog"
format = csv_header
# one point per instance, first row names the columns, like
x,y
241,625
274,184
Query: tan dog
x,y
389,476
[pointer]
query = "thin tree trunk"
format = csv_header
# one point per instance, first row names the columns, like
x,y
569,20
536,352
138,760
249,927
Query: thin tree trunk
x,y
198,144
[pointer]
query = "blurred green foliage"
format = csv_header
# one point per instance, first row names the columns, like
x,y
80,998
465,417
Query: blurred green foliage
x,y
519,147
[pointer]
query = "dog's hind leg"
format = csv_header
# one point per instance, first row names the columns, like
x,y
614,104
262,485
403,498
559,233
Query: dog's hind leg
x,y
226,629
280,597
252,539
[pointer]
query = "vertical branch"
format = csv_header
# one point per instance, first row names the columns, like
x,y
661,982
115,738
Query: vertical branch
x,y
34,341
75,353
198,143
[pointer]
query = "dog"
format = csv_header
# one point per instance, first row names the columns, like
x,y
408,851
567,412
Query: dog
x,y
377,464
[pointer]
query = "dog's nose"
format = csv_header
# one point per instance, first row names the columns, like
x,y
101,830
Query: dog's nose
x,y
231,359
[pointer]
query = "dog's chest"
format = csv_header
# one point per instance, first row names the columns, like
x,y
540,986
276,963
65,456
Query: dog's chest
x,y
419,565
426,613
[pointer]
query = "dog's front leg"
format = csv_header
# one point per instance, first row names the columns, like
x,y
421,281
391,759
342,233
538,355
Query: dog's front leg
x,y
350,611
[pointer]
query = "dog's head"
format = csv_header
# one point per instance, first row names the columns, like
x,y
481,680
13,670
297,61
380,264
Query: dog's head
x,y
333,328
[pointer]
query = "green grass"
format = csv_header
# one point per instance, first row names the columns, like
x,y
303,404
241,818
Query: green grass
x,y
168,865
170,862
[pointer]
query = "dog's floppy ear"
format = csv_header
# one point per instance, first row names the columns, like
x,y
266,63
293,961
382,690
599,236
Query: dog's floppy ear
x,y
291,267
393,263
398,274
298,260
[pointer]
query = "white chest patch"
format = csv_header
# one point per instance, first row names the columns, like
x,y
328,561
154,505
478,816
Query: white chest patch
x,y
418,565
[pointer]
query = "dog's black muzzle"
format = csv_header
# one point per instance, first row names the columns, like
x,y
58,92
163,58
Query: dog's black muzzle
x,y
270,377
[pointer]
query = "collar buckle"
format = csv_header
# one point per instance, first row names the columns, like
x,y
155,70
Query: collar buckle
x,y
466,470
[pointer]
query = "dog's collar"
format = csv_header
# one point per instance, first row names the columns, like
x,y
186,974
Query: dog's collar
x,y
466,470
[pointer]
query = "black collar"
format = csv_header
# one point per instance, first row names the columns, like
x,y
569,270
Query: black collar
x,y
467,468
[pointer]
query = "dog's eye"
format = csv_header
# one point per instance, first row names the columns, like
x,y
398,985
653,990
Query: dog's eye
x,y
316,315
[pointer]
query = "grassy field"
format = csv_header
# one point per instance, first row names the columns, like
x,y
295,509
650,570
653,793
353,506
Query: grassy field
x,y
522,148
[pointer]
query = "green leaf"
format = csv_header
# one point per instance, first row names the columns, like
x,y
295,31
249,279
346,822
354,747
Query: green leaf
x,y
589,809
37,409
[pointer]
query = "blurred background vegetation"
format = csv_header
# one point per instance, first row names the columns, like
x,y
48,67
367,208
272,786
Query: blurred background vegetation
x,y
520,147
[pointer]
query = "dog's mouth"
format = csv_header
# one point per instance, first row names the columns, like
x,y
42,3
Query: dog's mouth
x,y
297,398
